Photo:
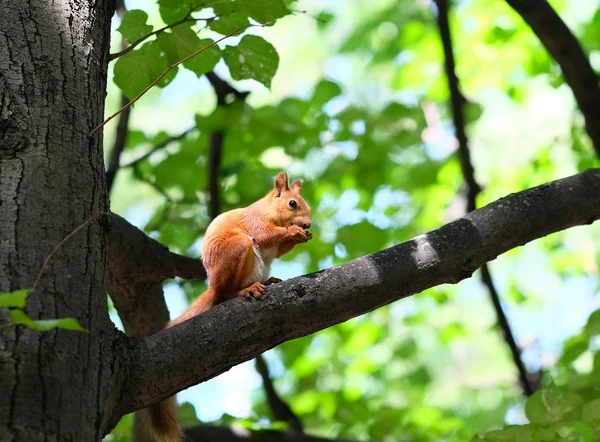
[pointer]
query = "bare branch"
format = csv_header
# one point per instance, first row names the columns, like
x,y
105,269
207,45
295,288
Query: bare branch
x,y
222,90
238,330
137,256
136,269
281,410
456,100
473,188
566,50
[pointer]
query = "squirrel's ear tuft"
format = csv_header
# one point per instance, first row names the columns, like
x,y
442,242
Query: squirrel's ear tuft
x,y
281,182
297,186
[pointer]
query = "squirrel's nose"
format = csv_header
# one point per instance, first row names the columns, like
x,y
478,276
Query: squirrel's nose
x,y
307,225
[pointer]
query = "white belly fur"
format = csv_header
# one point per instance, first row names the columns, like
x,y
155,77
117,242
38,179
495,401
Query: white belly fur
x,y
263,258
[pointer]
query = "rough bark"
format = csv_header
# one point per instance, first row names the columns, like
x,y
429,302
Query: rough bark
x,y
238,330
55,385
568,53
138,266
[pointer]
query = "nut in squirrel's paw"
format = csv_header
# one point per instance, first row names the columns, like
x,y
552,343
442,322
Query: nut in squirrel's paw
x,y
299,234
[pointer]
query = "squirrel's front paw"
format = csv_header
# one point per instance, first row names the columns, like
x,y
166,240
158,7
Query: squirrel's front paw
x,y
298,234
254,291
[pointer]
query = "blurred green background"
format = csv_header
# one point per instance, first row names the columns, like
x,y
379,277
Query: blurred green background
x,y
358,108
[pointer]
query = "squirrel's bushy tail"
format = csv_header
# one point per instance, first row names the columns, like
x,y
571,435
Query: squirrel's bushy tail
x,y
161,420
205,302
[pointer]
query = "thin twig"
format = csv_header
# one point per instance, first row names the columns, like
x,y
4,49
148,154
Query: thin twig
x,y
524,378
314,17
222,89
281,410
575,64
66,239
473,188
140,40
173,66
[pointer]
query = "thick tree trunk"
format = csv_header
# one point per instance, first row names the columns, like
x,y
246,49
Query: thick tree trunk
x,y
54,385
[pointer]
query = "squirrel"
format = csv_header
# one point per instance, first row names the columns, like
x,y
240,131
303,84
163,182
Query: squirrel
x,y
238,249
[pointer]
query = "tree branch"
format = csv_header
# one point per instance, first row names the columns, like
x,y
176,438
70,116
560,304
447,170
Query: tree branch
x,y
566,50
238,330
222,90
280,409
456,100
473,188
136,269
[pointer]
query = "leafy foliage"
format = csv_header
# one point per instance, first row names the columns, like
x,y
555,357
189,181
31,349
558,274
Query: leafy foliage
x,y
254,58
13,299
134,26
370,133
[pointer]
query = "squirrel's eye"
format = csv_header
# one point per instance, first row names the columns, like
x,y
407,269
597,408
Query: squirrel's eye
x,y
293,204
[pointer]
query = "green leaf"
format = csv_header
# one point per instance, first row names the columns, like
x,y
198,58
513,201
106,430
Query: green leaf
x,y
323,19
253,58
18,317
593,324
217,120
13,299
172,11
574,347
182,42
227,22
183,170
133,27
263,11
187,415
472,111
512,433
325,91
591,411
551,404
137,69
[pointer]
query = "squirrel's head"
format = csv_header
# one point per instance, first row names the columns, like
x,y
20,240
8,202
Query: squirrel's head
x,y
289,208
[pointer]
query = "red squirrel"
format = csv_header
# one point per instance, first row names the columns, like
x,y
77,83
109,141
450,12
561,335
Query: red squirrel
x,y
237,252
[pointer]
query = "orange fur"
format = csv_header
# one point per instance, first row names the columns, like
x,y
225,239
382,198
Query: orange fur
x,y
237,252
